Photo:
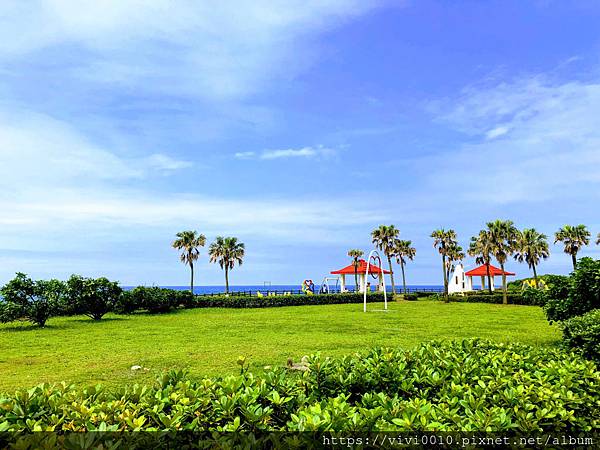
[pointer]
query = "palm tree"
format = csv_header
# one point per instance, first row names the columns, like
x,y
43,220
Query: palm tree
x,y
227,251
384,238
403,251
503,237
531,247
444,240
188,242
598,239
573,238
355,254
481,249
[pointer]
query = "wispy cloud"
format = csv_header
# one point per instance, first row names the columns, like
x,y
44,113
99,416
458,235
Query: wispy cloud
x,y
304,152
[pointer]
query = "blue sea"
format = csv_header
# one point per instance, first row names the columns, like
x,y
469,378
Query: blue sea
x,y
294,288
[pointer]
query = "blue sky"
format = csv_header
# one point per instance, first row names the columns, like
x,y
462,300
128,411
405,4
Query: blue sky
x,y
297,126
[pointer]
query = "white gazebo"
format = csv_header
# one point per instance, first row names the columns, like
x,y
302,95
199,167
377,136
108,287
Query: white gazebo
x,y
462,281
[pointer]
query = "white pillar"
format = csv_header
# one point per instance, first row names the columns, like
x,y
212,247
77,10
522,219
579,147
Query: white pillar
x,y
482,283
343,283
493,285
380,285
363,282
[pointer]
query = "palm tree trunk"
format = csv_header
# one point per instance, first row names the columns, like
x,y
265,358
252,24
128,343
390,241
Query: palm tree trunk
x,y
535,277
391,274
504,297
192,277
226,280
446,299
574,257
403,277
489,277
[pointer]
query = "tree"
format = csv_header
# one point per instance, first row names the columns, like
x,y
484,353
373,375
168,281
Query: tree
x,y
355,254
598,239
531,247
384,238
227,251
503,236
35,301
481,249
573,238
403,251
188,242
444,240
93,297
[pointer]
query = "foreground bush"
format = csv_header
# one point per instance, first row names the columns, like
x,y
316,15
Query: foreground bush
x,y
582,334
453,386
35,301
583,293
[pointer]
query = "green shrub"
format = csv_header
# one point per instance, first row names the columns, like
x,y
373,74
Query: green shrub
x,y
582,334
583,293
470,386
410,297
35,301
153,299
93,297
533,296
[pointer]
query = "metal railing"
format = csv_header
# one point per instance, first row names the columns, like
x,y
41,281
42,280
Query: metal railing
x,y
272,292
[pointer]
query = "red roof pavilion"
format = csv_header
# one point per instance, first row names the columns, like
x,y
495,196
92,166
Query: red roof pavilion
x,y
481,271
361,269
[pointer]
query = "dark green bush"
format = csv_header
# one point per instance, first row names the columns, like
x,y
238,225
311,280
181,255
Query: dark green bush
x,y
93,297
410,297
583,293
582,334
153,299
35,301
468,386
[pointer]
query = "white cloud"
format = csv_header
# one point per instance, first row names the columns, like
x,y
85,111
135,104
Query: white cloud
x,y
218,50
165,163
304,152
550,146
245,155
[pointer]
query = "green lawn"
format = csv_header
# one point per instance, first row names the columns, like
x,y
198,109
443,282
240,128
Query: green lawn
x,y
209,341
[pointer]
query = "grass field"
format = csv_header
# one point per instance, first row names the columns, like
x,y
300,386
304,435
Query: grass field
x,y
209,341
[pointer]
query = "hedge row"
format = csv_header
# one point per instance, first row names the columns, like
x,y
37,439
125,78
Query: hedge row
x,y
161,300
512,297
471,385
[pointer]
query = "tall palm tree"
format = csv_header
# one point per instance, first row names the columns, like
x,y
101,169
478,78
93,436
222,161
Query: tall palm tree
x,y
384,238
444,240
573,238
226,251
403,251
188,242
481,249
531,246
503,236
355,254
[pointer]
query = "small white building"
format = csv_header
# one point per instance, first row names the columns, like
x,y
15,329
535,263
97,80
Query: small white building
x,y
459,282
361,272
462,281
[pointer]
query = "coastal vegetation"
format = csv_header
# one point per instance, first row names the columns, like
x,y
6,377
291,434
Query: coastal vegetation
x,y
208,341
189,243
227,252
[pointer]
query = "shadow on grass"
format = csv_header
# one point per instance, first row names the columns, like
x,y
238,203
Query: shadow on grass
x,y
104,319
30,327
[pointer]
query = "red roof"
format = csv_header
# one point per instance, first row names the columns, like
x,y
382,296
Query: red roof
x,y
361,269
481,271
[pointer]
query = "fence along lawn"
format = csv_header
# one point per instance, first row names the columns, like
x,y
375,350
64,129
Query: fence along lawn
x,y
209,341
